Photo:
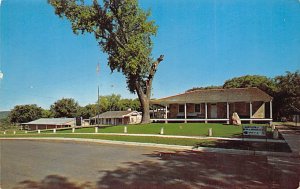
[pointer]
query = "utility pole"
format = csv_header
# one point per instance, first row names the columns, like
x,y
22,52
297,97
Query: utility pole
x,y
98,112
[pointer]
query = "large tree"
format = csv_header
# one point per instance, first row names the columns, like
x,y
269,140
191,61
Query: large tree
x,y
25,113
123,31
262,82
65,107
288,96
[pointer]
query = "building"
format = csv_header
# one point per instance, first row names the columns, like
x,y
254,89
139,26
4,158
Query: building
x,y
217,105
118,118
49,123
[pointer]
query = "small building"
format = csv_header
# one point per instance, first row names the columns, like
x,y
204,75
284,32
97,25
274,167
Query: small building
x,y
217,105
118,118
49,123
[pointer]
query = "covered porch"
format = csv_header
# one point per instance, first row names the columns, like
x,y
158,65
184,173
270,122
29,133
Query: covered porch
x,y
214,105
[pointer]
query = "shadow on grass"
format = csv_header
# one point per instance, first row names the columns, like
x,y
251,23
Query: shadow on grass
x,y
187,169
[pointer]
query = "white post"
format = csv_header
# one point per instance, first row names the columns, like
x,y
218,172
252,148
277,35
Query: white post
x,y
73,130
271,111
205,112
26,132
14,132
185,113
210,132
96,129
250,112
4,132
162,131
125,129
227,107
54,130
166,114
39,131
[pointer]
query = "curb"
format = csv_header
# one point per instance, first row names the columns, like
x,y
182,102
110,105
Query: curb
x,y
166,146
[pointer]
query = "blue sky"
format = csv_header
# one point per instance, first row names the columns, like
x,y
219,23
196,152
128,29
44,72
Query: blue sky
x,y
205,42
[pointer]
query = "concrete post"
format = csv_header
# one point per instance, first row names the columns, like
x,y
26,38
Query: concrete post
x,y
162,131
125,129
273,127
39,131
4,132
26,132
96,129
205,112
73,130
54,130
14,132
185,113
210,132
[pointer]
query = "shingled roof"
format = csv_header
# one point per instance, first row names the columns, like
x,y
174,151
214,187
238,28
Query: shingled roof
x,y
217,95
116,114
50,121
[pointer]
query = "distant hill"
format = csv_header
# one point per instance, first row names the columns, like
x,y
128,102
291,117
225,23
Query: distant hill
x,y
4,114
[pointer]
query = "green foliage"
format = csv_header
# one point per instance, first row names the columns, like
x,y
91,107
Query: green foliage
x,y
4,114
208,87
87,111
66,107
265,84
115,103
288,96
25,113
122,30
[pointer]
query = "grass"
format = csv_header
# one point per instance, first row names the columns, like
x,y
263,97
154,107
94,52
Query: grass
x,y
242,145
184,129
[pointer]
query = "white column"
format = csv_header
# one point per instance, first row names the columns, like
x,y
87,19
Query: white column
x,y
271,111
205,112
185,113
250,112
227,107
166,114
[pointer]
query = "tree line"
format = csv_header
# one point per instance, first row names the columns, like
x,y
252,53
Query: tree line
x,y
68,107
285,90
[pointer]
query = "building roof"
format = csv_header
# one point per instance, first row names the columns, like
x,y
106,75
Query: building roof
x,y
216,95
117,114
50,121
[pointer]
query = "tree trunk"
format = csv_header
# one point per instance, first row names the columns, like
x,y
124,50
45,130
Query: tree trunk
x,y
144,100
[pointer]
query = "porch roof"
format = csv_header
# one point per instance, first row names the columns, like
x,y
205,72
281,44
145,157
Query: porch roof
x,y
216,95
116,114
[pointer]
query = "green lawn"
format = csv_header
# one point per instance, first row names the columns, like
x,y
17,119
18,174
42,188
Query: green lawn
x,y
242,145
185,129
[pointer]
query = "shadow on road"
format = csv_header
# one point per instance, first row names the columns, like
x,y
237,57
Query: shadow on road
x,y
189,170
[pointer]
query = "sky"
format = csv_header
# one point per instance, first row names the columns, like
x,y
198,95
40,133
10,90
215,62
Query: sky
x,y
205,42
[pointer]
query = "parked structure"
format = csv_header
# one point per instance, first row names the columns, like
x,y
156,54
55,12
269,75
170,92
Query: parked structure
x,y
118,118
49,123
218,105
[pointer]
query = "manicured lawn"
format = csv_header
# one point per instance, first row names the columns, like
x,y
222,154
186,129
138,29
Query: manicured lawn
x,y
185,129
242,145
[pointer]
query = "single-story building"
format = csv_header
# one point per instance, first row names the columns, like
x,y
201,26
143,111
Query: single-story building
x,y
49,123
218,105
118,118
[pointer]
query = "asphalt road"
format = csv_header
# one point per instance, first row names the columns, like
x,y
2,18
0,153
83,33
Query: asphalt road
x,y
45,164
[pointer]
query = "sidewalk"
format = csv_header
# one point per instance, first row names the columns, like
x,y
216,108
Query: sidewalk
x,y
291,135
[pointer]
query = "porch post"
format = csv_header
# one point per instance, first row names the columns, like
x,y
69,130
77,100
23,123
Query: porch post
x,y
166,114
271,111
250,112
205,112
227,107
185,113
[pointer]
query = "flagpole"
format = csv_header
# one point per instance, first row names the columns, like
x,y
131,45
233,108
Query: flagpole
x,y
98,112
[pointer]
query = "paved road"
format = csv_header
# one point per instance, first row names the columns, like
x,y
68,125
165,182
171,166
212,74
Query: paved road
x,y
44,164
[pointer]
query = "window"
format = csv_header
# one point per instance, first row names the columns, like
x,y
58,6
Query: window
x,y
181,108
198,108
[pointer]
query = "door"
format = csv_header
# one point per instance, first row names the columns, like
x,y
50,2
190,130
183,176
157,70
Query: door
x,y
213,111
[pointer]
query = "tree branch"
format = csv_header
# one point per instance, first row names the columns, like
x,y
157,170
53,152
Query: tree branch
x,y
152,73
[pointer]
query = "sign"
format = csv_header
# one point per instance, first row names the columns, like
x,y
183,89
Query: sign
x,y
254,130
